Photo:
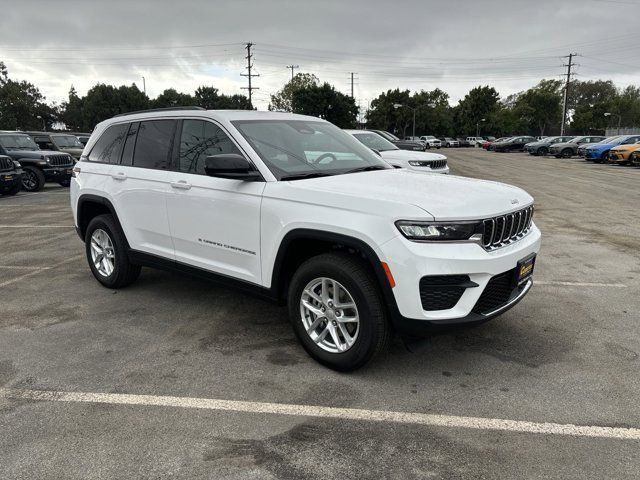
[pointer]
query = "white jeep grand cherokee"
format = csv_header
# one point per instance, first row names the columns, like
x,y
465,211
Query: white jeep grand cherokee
x,y
295,209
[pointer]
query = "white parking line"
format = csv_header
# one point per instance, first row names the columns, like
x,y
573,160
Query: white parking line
x,y
36,226
446,421
22,267
39,270
580,284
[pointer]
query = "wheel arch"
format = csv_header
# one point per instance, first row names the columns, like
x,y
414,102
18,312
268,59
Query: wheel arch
x,y
300,244
89,207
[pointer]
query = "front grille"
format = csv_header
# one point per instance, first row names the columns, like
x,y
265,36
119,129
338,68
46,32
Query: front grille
x,y
506,229
60,160
438,164
497,293
442,292
6,163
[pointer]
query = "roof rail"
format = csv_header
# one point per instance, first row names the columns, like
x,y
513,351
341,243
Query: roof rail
x,y
166,109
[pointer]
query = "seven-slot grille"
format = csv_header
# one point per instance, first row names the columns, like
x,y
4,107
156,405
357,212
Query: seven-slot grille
x,y
505,229
433,164
6,163
60,160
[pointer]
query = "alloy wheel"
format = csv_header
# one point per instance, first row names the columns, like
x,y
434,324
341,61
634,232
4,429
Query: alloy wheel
x,y
329,315
29,180
102,253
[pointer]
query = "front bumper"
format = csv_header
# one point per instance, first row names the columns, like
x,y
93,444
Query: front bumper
x,y
618,157
57,174
9,179
410,261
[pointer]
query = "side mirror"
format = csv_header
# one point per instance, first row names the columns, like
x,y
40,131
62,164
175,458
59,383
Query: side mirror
x,y
232,166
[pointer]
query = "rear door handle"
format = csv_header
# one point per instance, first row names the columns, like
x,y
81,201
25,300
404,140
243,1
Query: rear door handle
x,y
181,185
119,176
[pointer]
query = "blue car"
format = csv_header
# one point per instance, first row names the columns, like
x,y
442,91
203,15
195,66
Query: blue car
x,y
598,152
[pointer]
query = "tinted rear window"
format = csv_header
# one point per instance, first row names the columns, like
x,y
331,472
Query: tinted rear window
x,y
153,144
108,147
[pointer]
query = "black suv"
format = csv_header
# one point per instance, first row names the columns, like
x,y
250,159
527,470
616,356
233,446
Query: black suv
x,y
401,144
39,166
10,176
60,142
512,144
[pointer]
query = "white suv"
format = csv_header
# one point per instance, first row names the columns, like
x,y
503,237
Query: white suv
x,y
431,141
298,211
418,161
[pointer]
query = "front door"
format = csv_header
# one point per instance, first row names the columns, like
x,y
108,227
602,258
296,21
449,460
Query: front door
x,y
215,222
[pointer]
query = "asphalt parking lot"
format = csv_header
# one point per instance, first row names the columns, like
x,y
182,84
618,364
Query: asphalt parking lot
x,y
207,362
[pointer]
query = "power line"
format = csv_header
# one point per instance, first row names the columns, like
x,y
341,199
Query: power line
x,y
249,75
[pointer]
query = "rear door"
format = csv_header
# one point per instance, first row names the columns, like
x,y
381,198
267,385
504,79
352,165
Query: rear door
x,y
215,222
139,186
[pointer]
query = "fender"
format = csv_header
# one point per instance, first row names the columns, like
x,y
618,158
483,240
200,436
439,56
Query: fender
x,y
347,241
87,197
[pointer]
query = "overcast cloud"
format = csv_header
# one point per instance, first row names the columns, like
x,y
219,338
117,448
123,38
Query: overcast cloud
x,y
454,44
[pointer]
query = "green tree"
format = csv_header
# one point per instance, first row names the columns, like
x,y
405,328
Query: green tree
x,y
21,103
209,98
281,101
383,115
480,102
172,98
325,102
71,112
540,108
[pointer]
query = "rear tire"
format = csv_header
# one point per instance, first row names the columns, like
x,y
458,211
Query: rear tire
x,y
106,249
566,153
320,332
65,183
32,179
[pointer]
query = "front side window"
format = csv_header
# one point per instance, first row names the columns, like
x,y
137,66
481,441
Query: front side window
x,y
375,142
630,140
108,147
292,148
153,144
198,140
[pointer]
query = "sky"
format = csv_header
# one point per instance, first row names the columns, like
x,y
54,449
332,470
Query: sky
x,y
453,45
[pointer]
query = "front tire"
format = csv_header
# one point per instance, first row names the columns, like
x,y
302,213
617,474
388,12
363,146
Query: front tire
x,y
337,311
542,151
32,179
106,249
566,153
65,183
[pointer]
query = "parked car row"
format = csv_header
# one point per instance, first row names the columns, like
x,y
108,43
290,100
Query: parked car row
x,y
618,149
30,159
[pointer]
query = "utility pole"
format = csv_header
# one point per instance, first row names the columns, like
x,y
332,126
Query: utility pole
x,y
249,75
292,67
144,85
566,91
352,84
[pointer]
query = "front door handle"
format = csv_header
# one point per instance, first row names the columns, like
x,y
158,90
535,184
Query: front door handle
x,y
181,185
119,176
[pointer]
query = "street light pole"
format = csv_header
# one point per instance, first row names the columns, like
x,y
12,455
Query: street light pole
x,y
413,109
608,114
478,126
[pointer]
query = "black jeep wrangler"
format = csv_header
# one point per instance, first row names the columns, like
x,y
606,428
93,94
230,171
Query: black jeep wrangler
x,y
60,142
10,176
39,166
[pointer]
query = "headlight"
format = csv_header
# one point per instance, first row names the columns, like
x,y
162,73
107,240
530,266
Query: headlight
x,y
435,231
17,164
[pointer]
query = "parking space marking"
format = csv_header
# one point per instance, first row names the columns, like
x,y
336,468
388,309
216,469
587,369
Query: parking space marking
x,y
36,226
21,267
356,414
40,270
580,284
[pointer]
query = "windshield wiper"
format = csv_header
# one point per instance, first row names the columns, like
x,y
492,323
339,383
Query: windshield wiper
x,y
300,176
366,169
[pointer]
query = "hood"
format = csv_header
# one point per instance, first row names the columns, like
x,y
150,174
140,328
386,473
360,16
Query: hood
x,y
396,191
36,154
74,152
406,155
563,144
600,146
626,148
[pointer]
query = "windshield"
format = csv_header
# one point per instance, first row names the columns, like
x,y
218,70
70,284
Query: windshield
x,y
610,139
387,135
18,142
429,137
576,140
295,148
375,142
66,141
